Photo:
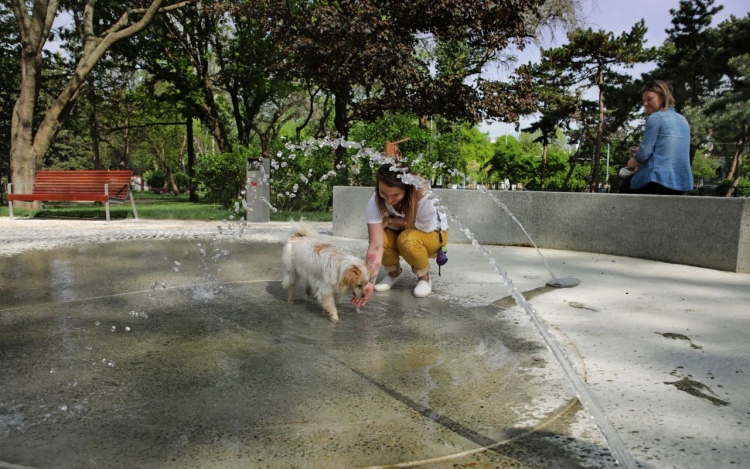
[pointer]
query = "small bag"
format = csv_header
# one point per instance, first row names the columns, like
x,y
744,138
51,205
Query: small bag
x,y
626,172
442,256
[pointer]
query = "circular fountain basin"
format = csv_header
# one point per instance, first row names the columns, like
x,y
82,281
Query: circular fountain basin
x,y
184,353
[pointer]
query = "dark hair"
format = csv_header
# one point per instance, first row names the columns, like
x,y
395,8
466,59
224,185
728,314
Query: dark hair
x,y
390,175
664,91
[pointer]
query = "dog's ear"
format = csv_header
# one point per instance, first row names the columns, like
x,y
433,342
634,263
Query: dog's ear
x,y
351,278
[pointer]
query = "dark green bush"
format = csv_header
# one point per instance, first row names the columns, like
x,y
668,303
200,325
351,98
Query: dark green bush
x,y
182,181
222,176
155,180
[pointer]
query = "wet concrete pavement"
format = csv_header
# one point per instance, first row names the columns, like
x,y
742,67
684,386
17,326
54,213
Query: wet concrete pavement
x,y
169,345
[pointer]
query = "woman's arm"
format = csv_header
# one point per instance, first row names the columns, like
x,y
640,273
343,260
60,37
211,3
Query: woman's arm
x,y
646,150
373,260
374,248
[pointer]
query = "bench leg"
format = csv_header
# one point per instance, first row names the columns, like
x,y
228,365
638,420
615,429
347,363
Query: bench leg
x,y
132,203
106,204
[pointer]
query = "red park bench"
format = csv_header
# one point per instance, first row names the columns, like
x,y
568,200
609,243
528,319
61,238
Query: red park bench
x,y
78,186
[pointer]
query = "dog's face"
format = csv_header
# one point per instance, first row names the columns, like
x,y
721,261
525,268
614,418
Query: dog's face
x,y
354,279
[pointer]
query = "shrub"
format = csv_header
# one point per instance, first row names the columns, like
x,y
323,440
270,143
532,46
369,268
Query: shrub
x,y
183,182
222,176
155,180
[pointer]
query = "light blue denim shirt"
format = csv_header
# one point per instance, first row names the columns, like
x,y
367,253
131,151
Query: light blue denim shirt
x,y
664,154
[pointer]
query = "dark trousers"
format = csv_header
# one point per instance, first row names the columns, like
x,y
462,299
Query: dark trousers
x,y
653,188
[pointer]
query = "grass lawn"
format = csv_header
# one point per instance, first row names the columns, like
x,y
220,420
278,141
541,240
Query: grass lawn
x,y
152,206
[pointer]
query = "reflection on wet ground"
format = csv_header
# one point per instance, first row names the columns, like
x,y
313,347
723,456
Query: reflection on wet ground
x,y
185,354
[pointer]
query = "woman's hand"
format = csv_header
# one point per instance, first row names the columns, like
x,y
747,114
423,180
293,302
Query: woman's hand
x,y
632,162
360,302
394,223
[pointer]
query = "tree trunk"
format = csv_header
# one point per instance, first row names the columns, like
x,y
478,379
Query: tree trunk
x,y
94,126
341,121
738,149
28,148
161,155
192,185
212,111
734,170
599,132
23,157
126,141
572,165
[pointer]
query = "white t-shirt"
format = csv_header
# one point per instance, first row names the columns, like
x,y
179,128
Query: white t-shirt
x,y
426,219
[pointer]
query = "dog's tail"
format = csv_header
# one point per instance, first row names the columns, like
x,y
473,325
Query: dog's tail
x,y
303,229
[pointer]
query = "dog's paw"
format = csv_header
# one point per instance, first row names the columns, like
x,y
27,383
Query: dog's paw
x,y
333,317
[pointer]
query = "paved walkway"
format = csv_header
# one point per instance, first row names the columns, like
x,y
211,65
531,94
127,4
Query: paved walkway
x,y
664,347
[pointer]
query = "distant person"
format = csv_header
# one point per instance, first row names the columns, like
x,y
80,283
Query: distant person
x,y
401,222
664,154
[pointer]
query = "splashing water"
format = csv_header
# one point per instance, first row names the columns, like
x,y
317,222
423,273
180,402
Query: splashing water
x,y
375,158
513,217
584,395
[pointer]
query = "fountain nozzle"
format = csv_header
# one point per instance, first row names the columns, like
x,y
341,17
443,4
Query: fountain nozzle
x,y
567,282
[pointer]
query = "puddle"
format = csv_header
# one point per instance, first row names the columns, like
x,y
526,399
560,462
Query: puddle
x,y
184,352
675,336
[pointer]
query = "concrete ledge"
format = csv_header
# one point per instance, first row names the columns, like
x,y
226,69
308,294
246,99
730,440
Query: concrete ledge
x,y
712,232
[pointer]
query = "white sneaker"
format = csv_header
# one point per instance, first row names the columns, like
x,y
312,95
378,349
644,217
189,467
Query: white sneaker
x,y
387,283
423,288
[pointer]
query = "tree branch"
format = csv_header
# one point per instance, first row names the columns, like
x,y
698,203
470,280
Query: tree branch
x,y
148,14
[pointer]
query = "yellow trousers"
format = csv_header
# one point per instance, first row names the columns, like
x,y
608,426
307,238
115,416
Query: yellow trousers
x,y
415,246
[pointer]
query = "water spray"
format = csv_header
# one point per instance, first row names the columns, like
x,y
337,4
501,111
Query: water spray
x,y
585,397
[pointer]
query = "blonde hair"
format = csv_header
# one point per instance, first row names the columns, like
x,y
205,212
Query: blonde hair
x,y
664,91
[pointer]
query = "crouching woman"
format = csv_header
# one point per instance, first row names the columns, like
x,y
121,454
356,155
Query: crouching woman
x,y
401,222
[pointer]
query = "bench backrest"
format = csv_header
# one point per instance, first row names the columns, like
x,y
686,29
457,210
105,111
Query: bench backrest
x,y
83,182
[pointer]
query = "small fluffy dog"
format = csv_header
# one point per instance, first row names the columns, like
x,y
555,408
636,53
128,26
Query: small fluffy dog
x,y
325,270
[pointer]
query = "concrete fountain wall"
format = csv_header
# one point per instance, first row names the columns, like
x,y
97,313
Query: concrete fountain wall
x,y
712,232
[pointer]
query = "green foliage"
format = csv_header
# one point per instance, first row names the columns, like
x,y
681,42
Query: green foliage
x,y
303,181
439,141
9,82
222,176
557,168
155,180
372,56
475,145
511,160
169,208
577,181
555,104
182,181
743,187
684,58
704,166
593,59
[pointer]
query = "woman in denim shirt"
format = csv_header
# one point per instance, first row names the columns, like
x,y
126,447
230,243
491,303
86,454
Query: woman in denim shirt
x,y
664,154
